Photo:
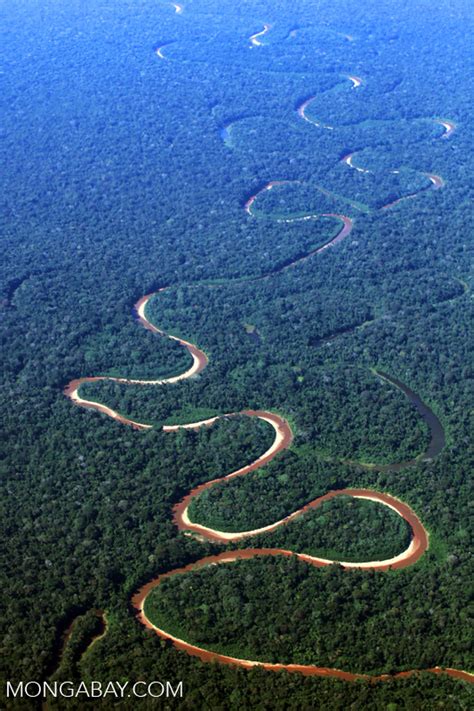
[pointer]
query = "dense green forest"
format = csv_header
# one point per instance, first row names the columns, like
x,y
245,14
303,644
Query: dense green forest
x,y
308,615
126,172
342,529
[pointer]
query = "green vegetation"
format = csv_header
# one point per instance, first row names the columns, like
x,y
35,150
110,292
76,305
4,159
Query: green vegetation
x,y
79,637
342,529
118,183
328,617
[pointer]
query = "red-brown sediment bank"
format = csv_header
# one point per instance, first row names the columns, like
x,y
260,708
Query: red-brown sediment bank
x,y
347,224
200,361
283,438
437,183
205,655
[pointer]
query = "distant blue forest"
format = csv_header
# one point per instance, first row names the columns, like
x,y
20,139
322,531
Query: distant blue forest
x,y
298,177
